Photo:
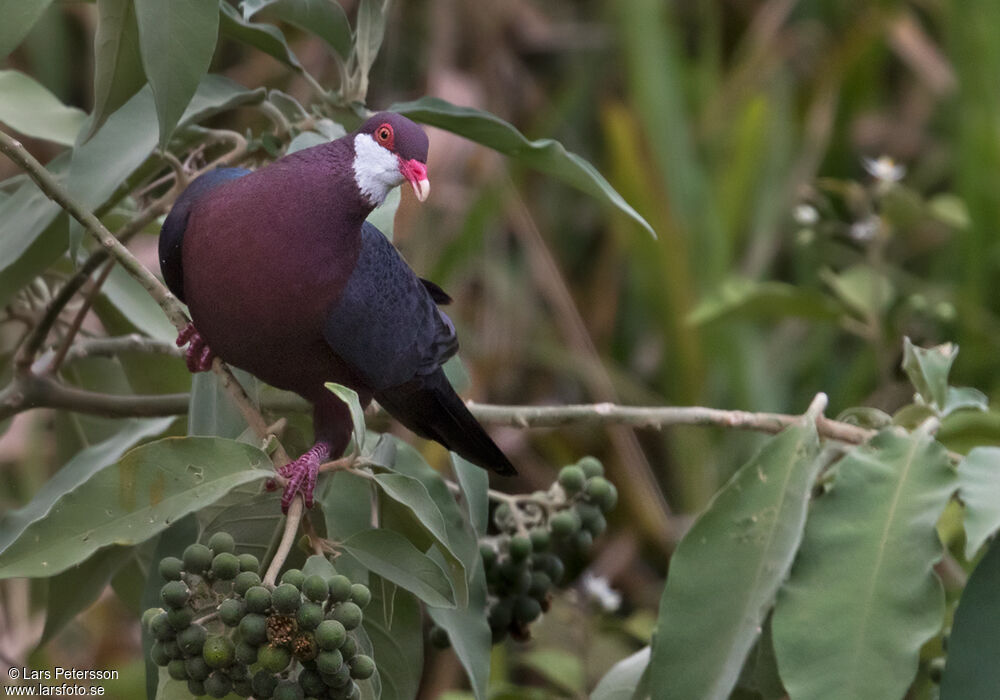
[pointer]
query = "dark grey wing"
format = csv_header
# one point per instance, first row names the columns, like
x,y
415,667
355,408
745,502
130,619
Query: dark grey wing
x,y
386,325
172,233
439,296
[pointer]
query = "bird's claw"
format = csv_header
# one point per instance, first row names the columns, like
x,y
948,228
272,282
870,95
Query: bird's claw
x,y
301,475
198,355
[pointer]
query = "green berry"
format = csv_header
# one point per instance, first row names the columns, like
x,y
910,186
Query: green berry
x,y
222,542
192,639
176,670
196,688
361,595
147,617
591,467
173,649
439,637
237,672
554,567
243,688
218,684
597,489
583,541
253,628
310,615
340,588
294,577
175,594
520,547
244,581
258,599
338,680
488,553
219,651
503,517
610,500
348,614
180,618
329,661
315,588
158,654
591,518
501,614
274,659
264,684
286,598
540,539
231,611
246,654
349,648
249,562
225,566
362,667
330,635
171,568
312,683
564,524
197,558
196,668
540,585
288,690
526,610
572,478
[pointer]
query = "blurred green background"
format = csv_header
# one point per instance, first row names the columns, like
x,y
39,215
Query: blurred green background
x,y
782,267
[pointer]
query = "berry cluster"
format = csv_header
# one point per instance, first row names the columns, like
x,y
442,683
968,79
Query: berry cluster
x,y
224,631
538,537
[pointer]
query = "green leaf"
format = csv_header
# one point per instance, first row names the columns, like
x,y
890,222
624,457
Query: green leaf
x,y
368,36
132,500
965,398
211,411
307,139
19,16
623,680
877,523
216,94
928,370
727,569
561,668
350,397
117,64
252,521
319,565
545,155
177,41
322,18
391,556
29,108
742,299
290,108
863,290
979,490
398,643
77,472
475,483
265,37
974,645
129,297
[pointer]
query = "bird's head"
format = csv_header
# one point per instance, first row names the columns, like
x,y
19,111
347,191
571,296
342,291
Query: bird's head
x,y
388,149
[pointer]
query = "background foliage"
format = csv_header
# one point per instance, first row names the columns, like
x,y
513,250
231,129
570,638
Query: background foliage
x,y
781,268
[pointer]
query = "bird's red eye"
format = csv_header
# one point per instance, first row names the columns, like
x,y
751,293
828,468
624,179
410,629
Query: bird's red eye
x,y
384,135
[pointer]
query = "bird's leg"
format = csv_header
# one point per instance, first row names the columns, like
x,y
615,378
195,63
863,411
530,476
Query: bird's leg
x,y
301,474
198,355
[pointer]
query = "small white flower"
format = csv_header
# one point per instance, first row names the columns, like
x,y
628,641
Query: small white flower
x,y
884,169
597,589
865,230
805,215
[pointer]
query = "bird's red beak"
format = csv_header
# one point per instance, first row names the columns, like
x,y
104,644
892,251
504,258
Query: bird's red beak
x,y
416,173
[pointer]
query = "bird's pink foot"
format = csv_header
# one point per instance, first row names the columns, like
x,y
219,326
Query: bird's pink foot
x,y
198,355
302,473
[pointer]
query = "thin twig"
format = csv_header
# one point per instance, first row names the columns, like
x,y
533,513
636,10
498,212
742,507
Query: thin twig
x,y
74,328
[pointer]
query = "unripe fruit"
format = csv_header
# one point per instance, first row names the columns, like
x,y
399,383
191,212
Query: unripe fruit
x,y
361,595
174,594
572,478
439,638
258,599
236,672
554,567
348,614
329,661
197,558
610,500
148,616
526,610
218,651
288,690
540,539
249,562
362,667
501,613
180,618
196,688
171,568
158,654
196,668
244,581
349,648
330,635
520,548
222,542
192,639
225,566
312,683
340,680
488,553
340,588
246,653
503,517
173,649
286,598
597,489
315,588
176,670
218,684
310,615
591,467
231,611
274,659
253,628
540,585
294,577
583,541
243,688
264,684
564,524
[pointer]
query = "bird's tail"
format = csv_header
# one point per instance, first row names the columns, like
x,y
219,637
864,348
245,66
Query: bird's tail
x,y
430,407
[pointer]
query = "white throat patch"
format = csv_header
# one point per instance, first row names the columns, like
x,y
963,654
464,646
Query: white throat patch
x,y
376,169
